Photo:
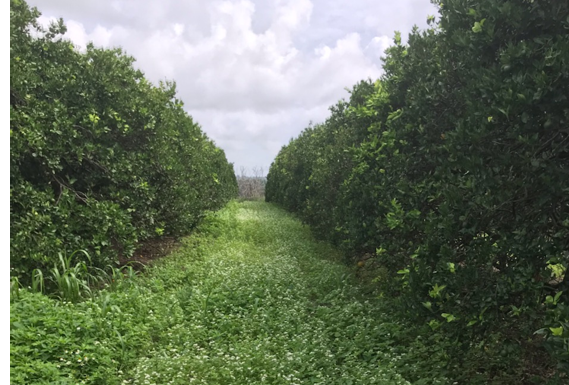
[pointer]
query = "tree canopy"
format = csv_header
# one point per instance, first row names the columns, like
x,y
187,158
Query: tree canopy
x,y
100,158
453,171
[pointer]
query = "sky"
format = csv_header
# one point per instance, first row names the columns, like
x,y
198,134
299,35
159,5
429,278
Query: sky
x,y
252,73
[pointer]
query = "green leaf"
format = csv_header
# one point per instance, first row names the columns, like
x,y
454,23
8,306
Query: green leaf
x,y
397,37
478,26
435,292
434,324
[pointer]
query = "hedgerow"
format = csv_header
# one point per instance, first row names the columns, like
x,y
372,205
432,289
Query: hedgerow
x,y
100,158
454,173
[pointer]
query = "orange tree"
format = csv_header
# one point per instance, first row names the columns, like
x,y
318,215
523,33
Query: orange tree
x,y
461,186
99,157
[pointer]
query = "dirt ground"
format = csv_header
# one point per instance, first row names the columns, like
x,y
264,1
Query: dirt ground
x,y
150,250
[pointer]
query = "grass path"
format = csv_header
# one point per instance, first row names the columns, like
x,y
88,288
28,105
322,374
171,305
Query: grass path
x,y
250,299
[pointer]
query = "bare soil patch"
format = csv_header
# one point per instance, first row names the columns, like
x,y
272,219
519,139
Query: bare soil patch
x,y
149,251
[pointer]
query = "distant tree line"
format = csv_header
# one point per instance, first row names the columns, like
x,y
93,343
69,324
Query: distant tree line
x,y
252,186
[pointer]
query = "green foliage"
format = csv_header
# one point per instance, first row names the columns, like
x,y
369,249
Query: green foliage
x,y
456,166
99,157
249,298
307,174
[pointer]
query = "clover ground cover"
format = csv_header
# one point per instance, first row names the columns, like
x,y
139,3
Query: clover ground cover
x,y
250,298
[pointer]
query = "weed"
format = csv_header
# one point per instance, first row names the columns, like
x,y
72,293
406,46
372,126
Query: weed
x,y
250,298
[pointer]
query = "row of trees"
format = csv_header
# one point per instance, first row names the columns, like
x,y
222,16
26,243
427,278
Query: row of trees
x,y
453,170
100,158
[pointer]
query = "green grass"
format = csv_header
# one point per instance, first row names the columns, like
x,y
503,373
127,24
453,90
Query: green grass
x,y
249,298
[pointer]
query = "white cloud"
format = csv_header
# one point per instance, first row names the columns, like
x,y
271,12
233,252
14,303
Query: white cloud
x,y
252,74
178,29
378,45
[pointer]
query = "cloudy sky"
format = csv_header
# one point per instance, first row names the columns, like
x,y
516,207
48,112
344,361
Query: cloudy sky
x,y
252,73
